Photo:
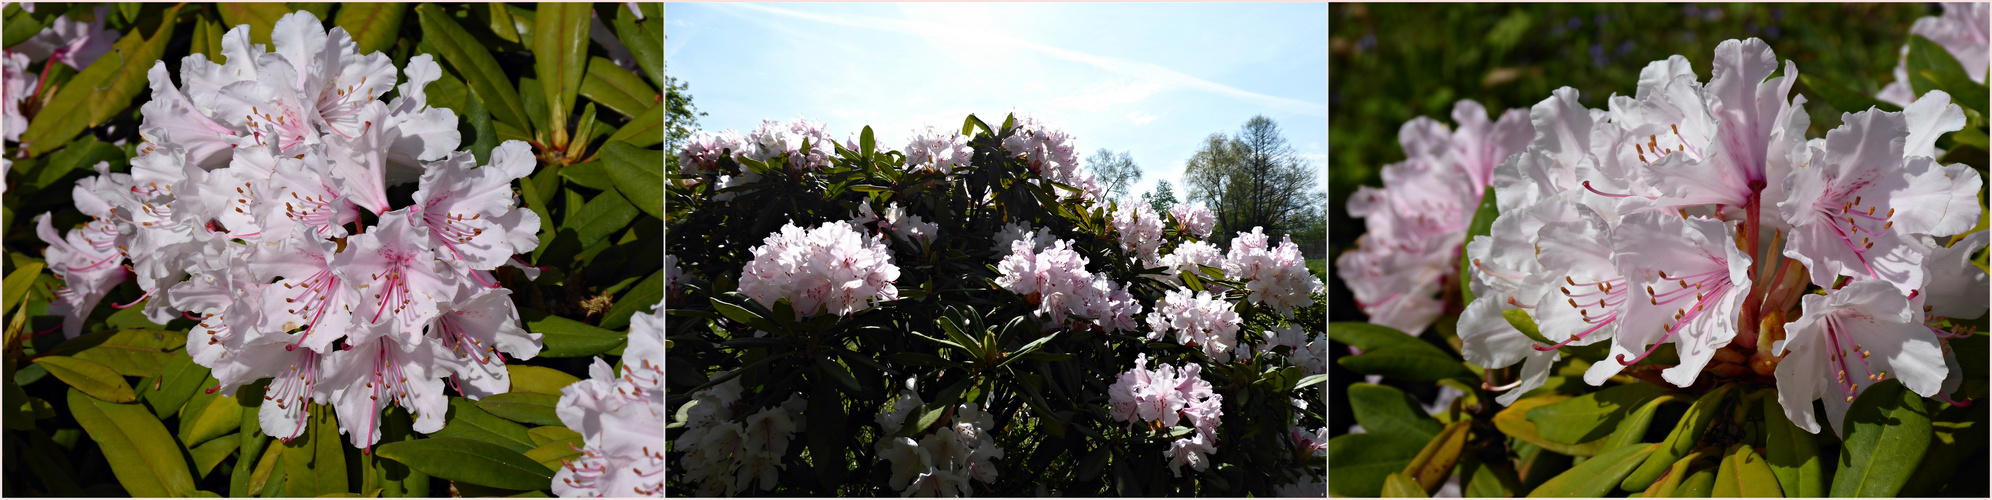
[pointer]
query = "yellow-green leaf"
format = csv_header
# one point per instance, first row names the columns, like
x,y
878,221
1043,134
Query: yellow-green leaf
x,y
209,416
18,283
209,454
145,459
100,91
522,407
1792,455
1744,474
538,379
315,461
1398,485
1597,476
469,58
1513,422
638,174
261,18
617,88
91,377
643,130
560,58
373,25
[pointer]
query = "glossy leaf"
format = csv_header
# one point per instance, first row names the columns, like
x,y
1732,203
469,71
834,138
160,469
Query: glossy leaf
x,y
315,461
522,407
104,89
1932,67
1597,476
138,352
208,416
552,454
373,25
1791,454
469,461
1887,429
638,175
1632,429
1513,421
538,379
560,58
261,18
592,175
1398,485
1386,410
18,282
1592,415
1483,222
92,378
1358,463
210,454
468,421
1422,363
639,298
469,58
1743,474
1840,97
145,459
645,38
644,130
617,88
1435,462
601,217
267,468
1369,337
566,338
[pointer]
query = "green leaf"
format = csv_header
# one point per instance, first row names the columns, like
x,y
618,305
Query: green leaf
x,y
1932,67
1743,474
102,90
638,175
866,145
1960,434
142,455
1382,409
209,416
538,379
1369,337
1591,416
827,367
315,461
644,130
261,18
1488,480
553,454
469,461
1792,455
82,154
137,352
18,283
1483,223
92,378
1513,421
601,217
1632,429
1522,322
373,26
560,58
1887,429
1422,363
207,37
253,443
522,407
566,338
617,88
208,455
592,175
480,71
468,421
267,469
1398,485
486,135
1841,97
22,25
1358,463
1596,476
645,38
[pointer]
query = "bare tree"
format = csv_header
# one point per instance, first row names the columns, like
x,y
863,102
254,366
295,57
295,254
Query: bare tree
x,y
1117,171
1252,179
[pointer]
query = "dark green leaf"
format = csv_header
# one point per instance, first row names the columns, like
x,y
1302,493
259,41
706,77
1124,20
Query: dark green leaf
x,y
470,59
1932,67
639,298
566,338
467,421
601,218
839,373
827,435
373,26
145,459
1483,222
315,461
469,461
592,175
1845,99
1422,363
1596,476
1386,410
485,135
1792,455
1369,337
1358,463
1887,429
522,407
617,88
644,38
638,174
22,25
1632,429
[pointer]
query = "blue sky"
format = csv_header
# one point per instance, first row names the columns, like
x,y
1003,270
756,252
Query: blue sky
x,y
1152,79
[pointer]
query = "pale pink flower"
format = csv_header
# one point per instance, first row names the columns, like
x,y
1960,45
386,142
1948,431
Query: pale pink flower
x,y
1854,336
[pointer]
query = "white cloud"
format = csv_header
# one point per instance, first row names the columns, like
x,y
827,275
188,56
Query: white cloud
x,y
1140,118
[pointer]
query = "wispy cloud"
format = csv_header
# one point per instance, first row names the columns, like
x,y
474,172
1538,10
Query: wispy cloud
x,y
1140,118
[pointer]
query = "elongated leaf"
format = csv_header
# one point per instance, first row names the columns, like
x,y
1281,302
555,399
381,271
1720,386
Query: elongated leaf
x,y
591,175
210,454
1887,429
842,375
639,298
1932,67
603,216
269,467
22,25
1358,463
538,379
1398,485
644,38
373,26
103,89
1840,97
81,155
470,59
638,174
142,455
315,461
1483,222
469,461
522,407
1591,416
566,338
1514,422
1597,476
1632,429
1422,363
1792,455
137,352
251,442
828,434
18,282
1369,337
1435,462
552,454
207,38
468,421
1386,410
550,433
644,130
209,416
1743,474
92,378
261,18
1488,480
617,88
560,58
1700,483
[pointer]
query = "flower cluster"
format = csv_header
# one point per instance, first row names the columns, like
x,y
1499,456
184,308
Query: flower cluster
x,y
1307,353
1275,276
1964,30
912,228
1037,239
936,150
1689,211
942,462
829,269
726,454
1195,219
247,210
1189,257
621,421
1056,280
1140,232
1051,155
1418,220
703,150
1200,320
1164,396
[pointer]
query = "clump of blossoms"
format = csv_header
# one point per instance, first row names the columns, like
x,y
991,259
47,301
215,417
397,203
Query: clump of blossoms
x,y
1688,213
727,451
1418,220
1140,232
1057,282
1200,320
1275,276
1051,155
942,462
936,150
1195,219
621,421
247,210
1164,397
831,269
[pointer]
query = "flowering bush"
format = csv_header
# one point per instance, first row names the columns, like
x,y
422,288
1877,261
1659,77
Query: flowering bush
x,y
322,222
1019,308
1690,244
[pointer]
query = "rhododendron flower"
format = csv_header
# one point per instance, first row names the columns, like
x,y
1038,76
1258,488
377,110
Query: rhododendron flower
x,y
89,265
459,201
1050,153
701,153
1854,337
773,138
70,41
1964,30
1756,132
399,277
621,421
1276,277
1140,232
935,150
1012,232
473,328
1165,396
1195,219
1199,320
943,462
1956,287
673,275
828,269
19,85
1688,281
1056,280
